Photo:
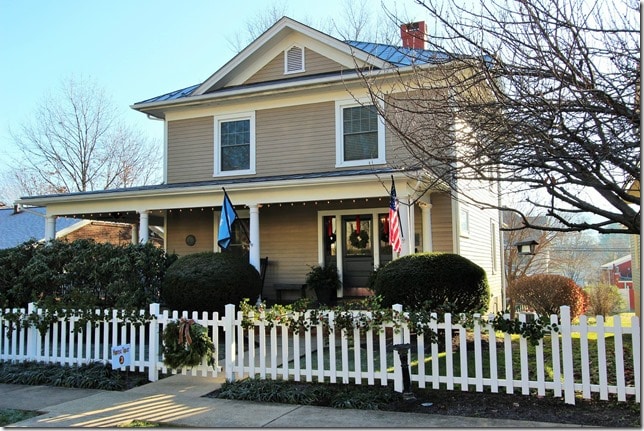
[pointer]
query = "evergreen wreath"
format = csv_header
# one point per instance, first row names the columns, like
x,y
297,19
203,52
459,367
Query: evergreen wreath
x,y
186,343
359,240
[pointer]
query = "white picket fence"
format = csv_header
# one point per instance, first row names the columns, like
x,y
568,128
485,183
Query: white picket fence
x,y
365,357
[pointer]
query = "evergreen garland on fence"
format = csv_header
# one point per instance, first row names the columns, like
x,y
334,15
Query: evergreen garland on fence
x,y
368,315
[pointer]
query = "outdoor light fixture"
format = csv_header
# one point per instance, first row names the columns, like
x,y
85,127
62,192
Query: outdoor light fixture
x,y
527,247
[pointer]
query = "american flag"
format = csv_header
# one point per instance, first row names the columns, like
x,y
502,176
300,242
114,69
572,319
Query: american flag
x,y
394,222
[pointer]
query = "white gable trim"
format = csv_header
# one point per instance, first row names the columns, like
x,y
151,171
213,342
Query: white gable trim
x,y
273,36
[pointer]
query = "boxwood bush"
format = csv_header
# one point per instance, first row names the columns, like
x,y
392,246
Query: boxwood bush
x,y
435,281
208,281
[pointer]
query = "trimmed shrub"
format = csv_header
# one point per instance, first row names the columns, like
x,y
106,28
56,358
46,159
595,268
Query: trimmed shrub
x,y
604,300
435,281
208,281
545,293
82,274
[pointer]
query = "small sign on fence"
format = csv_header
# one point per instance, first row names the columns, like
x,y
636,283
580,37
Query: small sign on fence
x,y
120,356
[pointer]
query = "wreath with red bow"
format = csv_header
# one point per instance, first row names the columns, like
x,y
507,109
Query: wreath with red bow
x,y
186,343
359,239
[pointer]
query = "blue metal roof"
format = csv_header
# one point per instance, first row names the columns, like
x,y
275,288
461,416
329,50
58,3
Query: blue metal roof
x,y
16,228
400,56
177,94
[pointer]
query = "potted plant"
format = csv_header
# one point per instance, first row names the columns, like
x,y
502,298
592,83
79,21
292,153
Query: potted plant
x,y
325,281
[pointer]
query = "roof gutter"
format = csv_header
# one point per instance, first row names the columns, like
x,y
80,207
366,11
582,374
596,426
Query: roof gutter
x,y
172,190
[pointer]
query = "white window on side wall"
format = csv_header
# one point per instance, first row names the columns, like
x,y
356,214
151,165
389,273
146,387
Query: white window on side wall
x,y
235,144
495,246
464,221
360,134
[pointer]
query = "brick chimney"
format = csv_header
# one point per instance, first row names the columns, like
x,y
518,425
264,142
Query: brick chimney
x,y
413,35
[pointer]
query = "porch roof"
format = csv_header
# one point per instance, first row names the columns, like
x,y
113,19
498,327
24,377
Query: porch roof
x,y
291,180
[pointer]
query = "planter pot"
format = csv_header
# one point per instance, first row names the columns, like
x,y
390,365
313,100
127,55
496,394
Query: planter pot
x,y
326,296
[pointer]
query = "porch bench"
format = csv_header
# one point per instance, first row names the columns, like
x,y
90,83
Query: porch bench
x,y
281,288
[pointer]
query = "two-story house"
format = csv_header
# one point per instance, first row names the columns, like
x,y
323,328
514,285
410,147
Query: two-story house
x,y
288,129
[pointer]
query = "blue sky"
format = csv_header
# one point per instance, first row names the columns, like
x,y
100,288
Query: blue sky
x,y
133,49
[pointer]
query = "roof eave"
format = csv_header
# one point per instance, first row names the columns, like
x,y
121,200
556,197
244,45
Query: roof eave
x,y
157,109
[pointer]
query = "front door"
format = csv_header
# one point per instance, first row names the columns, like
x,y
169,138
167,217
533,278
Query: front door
x,y
357,255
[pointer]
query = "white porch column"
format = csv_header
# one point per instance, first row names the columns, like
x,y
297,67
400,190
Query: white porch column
x,y
253,255
135,233
426,211
407,228
143,226
50,227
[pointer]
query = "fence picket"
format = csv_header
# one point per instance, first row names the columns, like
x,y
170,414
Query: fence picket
x,y
566,350
523,351
494,382
462,337
433,326
507,349
382,344
357,363
619,358
296,357
556,358
601,358
449,357
308,350
478,356
635,337
370,360
585,366
319,338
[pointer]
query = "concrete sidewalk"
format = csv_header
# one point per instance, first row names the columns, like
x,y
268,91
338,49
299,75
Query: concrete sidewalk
x,y
178,400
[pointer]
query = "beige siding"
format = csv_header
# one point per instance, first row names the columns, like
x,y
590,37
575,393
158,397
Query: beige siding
x,y
296,139
442,223
314,63
190,150
288,236
293,139
183,223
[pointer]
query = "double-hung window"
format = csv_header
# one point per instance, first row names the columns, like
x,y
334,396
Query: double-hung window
x,y
360,134
235,144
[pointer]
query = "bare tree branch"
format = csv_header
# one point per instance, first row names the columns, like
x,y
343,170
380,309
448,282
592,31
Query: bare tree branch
x,y
542,97
75,142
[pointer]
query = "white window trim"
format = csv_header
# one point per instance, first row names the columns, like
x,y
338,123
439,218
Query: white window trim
x,y
234,117
464,222
339,135
301,68
494,246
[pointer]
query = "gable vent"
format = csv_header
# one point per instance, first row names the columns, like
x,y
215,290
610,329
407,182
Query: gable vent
x,y
294,60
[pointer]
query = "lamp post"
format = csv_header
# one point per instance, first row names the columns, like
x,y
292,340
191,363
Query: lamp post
x,y
402,354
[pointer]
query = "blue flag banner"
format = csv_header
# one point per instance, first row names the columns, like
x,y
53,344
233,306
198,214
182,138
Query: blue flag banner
x,y
226,220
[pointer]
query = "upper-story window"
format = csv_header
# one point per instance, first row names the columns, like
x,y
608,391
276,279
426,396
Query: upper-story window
x,y
360,134
235,144
294,60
